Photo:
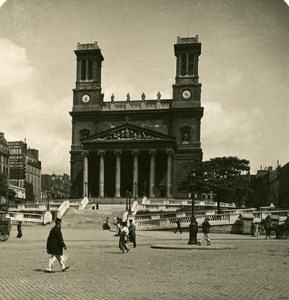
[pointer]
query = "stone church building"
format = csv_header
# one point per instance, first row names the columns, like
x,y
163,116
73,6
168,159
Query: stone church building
x,y
144,146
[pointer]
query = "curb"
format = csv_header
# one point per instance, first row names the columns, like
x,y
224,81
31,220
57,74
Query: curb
x,y
192,247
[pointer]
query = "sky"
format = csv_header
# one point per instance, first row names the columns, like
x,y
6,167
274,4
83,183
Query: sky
x,y
243,68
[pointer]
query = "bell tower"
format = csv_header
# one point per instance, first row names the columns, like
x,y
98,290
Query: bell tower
x,y
87,93
187,89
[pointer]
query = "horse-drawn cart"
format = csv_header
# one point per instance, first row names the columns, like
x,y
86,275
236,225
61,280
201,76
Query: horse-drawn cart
x,y
5,227
282,230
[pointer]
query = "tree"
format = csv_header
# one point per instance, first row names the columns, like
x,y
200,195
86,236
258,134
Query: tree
x,y
46,183
225,176
29,191
11,194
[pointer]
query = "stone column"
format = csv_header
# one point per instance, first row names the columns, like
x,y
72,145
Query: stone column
x,y
152,173
101,173
169,173
135,172
117,174
85,173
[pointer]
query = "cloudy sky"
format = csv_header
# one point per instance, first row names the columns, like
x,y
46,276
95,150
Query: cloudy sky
x,y
243,68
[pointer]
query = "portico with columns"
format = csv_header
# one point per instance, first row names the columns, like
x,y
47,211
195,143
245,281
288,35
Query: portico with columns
x,y
128,158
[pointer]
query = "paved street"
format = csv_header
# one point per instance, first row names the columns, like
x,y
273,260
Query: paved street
x,y
255,269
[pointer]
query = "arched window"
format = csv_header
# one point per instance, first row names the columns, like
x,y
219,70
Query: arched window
x,y
186,135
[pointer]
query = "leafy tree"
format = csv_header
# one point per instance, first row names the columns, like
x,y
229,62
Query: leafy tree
x,y
46,183
225,176
11,194
29,191
194,183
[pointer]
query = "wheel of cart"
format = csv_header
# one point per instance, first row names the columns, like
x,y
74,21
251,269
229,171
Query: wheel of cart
x,y
4,235
5,227
282,231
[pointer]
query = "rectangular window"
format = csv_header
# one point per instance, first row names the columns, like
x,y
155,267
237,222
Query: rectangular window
x,y
89,75
183,64
191,64
83,69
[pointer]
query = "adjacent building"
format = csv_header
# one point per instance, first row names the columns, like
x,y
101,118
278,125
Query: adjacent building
x,y
283,198
145,146
4,155
25,167
270,188
4,165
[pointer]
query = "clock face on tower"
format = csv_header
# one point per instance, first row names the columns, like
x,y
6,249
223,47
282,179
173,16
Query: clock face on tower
x,y
85,98
186,94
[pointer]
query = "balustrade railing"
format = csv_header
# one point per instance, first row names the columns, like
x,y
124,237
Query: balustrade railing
x,y
26,217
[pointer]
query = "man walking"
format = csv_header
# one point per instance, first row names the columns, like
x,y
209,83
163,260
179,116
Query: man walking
x,y
179,227
19,230
206,228
55,245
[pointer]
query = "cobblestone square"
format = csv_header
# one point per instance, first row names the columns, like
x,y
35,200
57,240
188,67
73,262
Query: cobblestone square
x,y
255,269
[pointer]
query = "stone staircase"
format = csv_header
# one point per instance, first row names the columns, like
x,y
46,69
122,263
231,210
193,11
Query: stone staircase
x,y
89,218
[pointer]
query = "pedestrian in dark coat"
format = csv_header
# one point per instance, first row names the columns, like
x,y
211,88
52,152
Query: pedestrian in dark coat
x,y
132,234
55,245
206,229
19,230
179,227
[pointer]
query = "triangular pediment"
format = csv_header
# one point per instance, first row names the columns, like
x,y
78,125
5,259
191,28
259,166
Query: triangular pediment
x,y
128,133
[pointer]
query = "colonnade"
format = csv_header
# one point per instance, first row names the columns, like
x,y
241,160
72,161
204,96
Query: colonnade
x,y
135,153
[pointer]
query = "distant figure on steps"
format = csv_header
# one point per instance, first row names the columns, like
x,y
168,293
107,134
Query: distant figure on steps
x,y
105,225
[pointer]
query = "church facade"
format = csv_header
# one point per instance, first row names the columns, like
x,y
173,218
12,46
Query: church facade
x,y
144,146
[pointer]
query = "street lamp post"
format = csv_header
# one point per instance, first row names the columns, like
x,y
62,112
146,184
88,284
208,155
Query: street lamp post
x,y
193,228
193,204
129,203
135,190
48,196
145,189
126,200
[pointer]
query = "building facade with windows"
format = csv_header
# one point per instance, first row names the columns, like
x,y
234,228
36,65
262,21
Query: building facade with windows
x,y
144,146
25,167
4,155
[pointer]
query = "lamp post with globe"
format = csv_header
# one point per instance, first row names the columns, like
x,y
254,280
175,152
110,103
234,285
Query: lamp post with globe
x,y
193,228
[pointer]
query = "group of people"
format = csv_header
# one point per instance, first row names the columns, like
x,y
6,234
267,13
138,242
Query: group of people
x,y
125,229
127,234
194,230
55,242
254,229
